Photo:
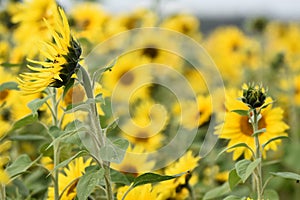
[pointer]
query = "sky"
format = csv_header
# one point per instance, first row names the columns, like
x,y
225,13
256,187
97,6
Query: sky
x,y
278,9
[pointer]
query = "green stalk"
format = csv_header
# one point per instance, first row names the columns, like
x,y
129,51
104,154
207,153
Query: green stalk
x,y
2,191
258,155
93,113
56,150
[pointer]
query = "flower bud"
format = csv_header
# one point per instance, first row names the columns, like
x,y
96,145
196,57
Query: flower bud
x,y
254,96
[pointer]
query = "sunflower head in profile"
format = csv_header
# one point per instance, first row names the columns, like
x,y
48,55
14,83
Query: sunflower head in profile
x,y
61,63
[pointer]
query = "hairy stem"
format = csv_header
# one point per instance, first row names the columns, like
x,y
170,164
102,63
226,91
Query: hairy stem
x,y
94,119
56,147
258,155
2,191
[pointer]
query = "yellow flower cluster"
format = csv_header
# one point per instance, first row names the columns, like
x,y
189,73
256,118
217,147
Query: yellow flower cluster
x,y
46,46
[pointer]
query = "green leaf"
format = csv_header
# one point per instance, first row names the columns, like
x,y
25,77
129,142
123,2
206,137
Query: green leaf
x,y
149,178
72,128
29,119
35,104
55,131
20,165
235,146
115,151
233,197
270,194
108,67
266,105
66,162
121,178
153,178
83,106
27,137
87,183
241,112
99,98
273,139
233,179
259,131
217,192
244,168
6,64
111,126
287,175
9,86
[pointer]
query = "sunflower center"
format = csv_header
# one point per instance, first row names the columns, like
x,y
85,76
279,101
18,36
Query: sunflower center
x,y
4,94
142,137
185,28
246,127
235,46
127,78
150,52
84,24
129,169
5,115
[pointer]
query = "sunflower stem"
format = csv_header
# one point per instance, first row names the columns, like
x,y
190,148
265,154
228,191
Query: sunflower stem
x,y
56,147
94,117
2,191
258,155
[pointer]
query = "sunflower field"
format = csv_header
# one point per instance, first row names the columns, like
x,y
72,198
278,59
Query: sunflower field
x,y
144,105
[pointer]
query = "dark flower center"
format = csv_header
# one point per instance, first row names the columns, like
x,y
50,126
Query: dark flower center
x,y
4,94
127,78
150,52
246,127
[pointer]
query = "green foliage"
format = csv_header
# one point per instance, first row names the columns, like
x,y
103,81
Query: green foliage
x,y
233,179
35,104
150,178
271,194
245,168
88,182
114,151
287,175
9,86
66,162
273,139
20,165
29,119
235,146
241,112
232,197
217,192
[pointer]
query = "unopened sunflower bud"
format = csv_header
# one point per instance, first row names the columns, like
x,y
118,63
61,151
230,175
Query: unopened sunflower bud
x,y
254,96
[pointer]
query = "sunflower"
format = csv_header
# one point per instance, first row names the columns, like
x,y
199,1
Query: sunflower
x,y
4,158
127,81
237,128
176,188
280,38
89,21
135,162
192,114
29,16
183,23
62,57
69,178
144,192
232,51
145,129
12,107
139,18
